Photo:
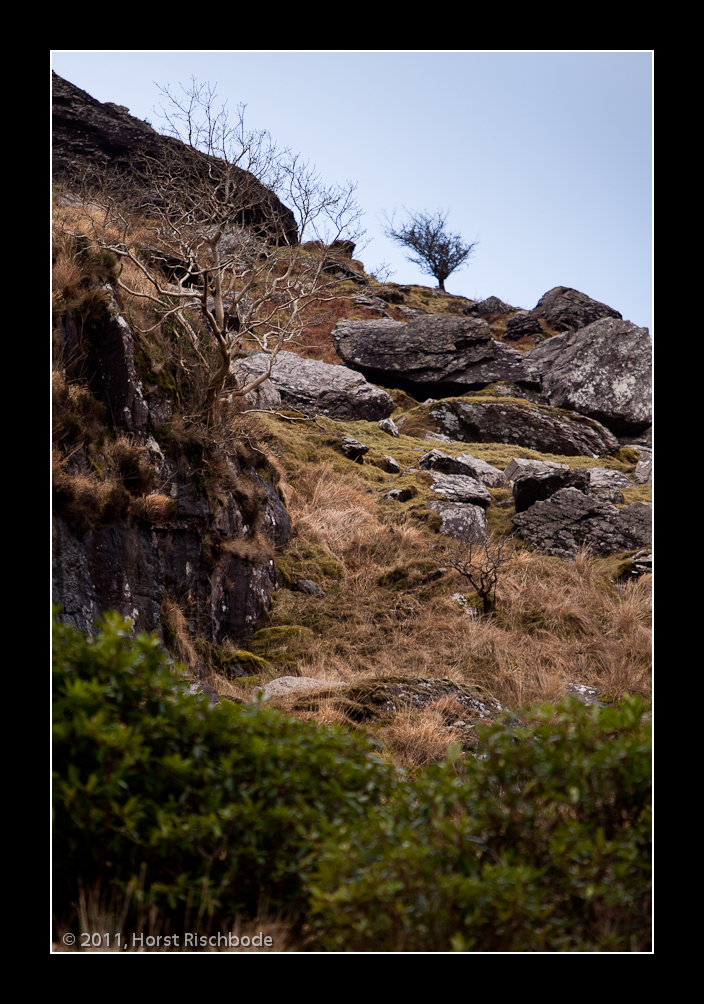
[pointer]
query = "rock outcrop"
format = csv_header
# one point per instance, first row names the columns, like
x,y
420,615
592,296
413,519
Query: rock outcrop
x,y
204,557
521,424
430,354
570,519
485,474
166,533
90,136
599,366
567,309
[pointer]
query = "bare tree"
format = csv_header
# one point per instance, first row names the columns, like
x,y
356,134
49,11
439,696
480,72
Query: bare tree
x,y
211,227
435,251
480,562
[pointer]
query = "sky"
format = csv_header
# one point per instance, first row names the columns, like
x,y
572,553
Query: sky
x,y
543,158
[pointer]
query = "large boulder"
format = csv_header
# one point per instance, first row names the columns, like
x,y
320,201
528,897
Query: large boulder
x,y
432,353
314,388
567,309
532,426
603,370
536,486
570,519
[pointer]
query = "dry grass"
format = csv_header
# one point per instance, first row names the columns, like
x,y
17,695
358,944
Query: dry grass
x,y
388,609
107,921
417,738
333,510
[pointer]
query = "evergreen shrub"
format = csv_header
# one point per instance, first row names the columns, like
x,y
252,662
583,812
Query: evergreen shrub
x,y
540,844
207,808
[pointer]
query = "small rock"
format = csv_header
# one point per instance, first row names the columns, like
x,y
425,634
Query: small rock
x,y
353,449
309,587
388,425
289,684
205,688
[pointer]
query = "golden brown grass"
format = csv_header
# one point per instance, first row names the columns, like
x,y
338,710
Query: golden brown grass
x,y
417,738
388,608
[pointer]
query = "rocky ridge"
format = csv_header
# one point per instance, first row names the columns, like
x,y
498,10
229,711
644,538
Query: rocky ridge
x,y
199,523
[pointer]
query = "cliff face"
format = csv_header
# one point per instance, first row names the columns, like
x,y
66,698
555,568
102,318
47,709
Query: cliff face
x,y
191,518
89,136
152,509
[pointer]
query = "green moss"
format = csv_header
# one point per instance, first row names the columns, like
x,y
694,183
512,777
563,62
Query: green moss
x,y
255,664
303,560
283,645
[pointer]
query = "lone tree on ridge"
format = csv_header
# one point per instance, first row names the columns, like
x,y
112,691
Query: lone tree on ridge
x,y
429,246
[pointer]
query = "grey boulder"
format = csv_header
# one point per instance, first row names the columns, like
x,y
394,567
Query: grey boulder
x,y
315,388
567,309
534,427
440,349
603,371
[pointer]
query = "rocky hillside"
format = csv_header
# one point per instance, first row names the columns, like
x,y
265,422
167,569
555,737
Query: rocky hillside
x,y
313,531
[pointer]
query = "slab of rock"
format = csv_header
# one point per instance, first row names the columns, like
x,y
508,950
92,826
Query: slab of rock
x,y
460,488
567,309
606,485
534,427
569,519
317,388
430,349
603,370
465,464
299,684
519,465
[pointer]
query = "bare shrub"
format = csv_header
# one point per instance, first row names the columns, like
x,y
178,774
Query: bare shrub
x,y
480,562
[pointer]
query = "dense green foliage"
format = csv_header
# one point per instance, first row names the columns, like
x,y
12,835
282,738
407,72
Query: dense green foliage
x,y
541,845
222,804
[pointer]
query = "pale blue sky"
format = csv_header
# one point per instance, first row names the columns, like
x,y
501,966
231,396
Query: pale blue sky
x,y
544,158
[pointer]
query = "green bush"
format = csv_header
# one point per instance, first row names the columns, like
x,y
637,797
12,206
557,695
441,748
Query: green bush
x,y
220,805
542,845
